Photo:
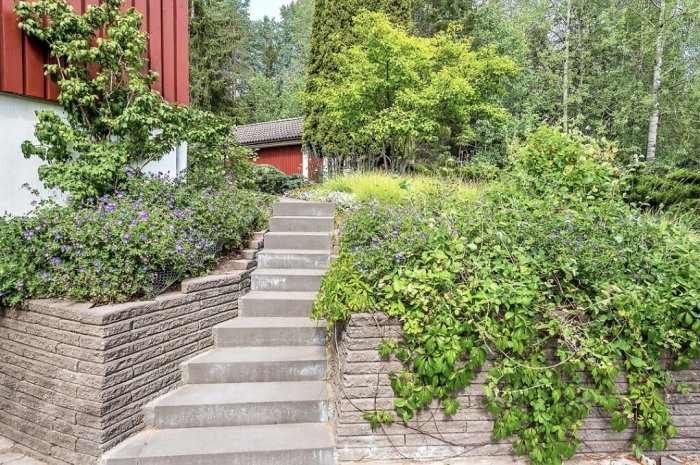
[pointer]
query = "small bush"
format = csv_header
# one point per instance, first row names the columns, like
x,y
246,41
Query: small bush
x,y
273,181
110,249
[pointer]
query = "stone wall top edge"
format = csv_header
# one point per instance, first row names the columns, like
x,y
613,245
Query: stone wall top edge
x,y
91,314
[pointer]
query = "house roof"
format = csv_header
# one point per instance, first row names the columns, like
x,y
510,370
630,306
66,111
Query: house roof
x,y
271,131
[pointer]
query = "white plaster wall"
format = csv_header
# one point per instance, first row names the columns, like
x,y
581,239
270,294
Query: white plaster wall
x,y
17,120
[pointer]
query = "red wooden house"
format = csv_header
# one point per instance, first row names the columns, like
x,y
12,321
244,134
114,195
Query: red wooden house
x,y
279,143
22,59
24,89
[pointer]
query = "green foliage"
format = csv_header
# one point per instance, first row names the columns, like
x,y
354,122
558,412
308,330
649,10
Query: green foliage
x,y
112,118
675,191
395,95
215,157
564,287
272,181
389,188
378,418
219,31
249,71
331,34
108,249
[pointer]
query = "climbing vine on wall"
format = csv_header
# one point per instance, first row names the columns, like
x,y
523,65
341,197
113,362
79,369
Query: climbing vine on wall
x,y
578,301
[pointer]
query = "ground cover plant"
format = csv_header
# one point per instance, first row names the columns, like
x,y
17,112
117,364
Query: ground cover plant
x,y
566,289
113,248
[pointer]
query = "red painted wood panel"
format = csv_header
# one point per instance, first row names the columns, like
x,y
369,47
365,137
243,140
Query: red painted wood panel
x,y
155,43
287,159
33,68
182,58
22,60
11,50
168,31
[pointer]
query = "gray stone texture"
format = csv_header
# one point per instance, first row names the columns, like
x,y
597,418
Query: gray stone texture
x,y
74,377
361,383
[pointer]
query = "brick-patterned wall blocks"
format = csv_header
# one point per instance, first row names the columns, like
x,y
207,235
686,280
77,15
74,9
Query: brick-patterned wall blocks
x,y
73,377
361,383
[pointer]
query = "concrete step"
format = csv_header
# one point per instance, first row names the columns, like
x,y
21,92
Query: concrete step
x,y
255,244
302,223
321,241
249,254
238,404
276,304
291,258
290,207
292,444
286,280
268,332
256,364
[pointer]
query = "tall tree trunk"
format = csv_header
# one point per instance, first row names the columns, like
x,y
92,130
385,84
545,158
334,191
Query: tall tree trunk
x,y
565,78
656,85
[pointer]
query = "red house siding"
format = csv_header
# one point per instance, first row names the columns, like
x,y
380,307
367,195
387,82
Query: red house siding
x,y
287,159
22,59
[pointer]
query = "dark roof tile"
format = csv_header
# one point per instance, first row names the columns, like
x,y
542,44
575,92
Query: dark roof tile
x,y
271,131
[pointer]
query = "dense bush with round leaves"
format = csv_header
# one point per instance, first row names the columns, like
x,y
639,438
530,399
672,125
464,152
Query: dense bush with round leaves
x,y
273,181
551,276
112,248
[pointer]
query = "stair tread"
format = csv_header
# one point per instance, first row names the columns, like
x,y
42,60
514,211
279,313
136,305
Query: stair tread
x,y
260,354
240,393
298,233
290,271
224,440
280,295
308,217
262,322
294,251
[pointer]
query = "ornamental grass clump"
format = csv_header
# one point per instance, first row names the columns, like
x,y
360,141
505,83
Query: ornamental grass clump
x,y
112,248
567,290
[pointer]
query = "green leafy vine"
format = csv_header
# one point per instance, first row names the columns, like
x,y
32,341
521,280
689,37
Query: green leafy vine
x,y
569,299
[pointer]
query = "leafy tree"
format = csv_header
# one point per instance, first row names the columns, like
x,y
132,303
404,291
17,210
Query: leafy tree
x,y
333,33
399,11
276,57
396,94
113,119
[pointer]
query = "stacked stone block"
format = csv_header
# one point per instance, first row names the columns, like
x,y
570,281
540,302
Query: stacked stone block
x,y
361,383
74,378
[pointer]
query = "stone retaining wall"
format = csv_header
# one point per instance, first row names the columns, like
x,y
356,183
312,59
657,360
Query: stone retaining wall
x,y
73,377
361,383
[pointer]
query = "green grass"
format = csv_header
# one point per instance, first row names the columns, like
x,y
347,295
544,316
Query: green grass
x,y
390,188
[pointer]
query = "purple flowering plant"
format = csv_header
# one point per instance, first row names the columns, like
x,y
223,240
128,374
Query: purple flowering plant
x,y
105,250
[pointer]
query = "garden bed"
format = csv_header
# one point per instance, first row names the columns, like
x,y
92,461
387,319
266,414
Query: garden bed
x,y
74,377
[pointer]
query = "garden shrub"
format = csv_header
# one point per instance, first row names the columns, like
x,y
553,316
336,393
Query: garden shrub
x,y
273,181
111,248
563,286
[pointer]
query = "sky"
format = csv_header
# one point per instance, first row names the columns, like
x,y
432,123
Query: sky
x,y
271,8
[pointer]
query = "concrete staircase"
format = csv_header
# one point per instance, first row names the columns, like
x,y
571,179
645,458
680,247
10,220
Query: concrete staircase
x,y
259,397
